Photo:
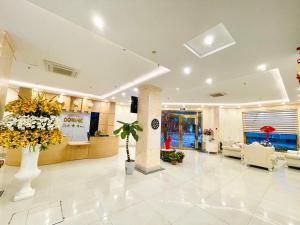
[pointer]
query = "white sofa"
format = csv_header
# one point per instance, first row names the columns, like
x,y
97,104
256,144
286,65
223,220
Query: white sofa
x,y
292,158
233,149
258,155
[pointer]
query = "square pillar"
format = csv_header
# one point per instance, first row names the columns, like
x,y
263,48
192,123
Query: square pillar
x,y
147,157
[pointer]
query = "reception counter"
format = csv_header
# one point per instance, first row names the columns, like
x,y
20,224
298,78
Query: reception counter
x,y
97,147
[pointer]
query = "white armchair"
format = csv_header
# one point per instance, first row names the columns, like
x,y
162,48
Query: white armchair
x,y
233,149
292,158
258,155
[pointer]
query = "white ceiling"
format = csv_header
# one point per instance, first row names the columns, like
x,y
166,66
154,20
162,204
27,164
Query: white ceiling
x,y
39,35
265,32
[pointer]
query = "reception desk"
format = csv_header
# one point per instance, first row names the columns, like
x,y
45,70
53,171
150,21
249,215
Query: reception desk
x,y
97,147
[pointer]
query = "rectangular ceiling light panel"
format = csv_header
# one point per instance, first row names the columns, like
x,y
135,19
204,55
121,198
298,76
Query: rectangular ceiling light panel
x,y
211,41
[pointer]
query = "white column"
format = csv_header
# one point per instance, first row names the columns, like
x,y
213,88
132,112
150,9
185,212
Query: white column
x,y
148,147
6,57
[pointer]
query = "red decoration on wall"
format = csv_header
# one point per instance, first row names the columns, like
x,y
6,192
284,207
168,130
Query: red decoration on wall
x,y
298,67
298,78
267,130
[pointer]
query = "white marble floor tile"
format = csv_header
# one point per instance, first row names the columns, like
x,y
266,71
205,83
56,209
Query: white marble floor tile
x,y
204,189
139,214
197,216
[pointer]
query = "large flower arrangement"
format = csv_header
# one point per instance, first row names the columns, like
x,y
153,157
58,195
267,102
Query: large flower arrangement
x,y
31,122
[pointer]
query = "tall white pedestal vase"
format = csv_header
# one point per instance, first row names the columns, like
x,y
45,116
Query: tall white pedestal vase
x,y
28,172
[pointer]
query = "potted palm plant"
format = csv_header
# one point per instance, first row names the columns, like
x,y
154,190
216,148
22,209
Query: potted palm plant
x,y
127,130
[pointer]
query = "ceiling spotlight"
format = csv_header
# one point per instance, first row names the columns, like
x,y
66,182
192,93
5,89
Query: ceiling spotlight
x,y
209,80
282,103
208,40
187,70
113,97
123,94
259,105
98,22
262,67
177,89
135,89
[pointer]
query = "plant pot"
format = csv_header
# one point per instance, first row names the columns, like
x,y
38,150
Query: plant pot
x,y
180,160
28,171
129,167
173,162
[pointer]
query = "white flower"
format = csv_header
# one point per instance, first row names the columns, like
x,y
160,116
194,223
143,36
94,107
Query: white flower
x,y
30,122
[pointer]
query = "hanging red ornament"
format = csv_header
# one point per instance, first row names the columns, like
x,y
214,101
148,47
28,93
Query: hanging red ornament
x,y
298,78
298,67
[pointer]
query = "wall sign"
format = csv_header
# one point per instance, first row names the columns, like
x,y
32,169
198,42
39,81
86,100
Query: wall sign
x,y
75,125
155,124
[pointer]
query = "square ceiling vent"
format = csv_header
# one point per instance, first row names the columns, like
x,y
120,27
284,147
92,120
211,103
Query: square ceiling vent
x,y
211,41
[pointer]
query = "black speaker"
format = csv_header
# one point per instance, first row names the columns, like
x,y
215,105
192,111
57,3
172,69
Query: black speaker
x,y
134,104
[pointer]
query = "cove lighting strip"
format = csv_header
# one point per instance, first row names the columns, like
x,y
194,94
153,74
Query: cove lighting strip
x,y
278,79
224,104
52,89
160,70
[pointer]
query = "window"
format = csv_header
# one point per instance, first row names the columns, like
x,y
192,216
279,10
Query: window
x,y
284,121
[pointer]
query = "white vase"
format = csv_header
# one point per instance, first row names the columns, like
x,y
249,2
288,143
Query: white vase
x,y
28,171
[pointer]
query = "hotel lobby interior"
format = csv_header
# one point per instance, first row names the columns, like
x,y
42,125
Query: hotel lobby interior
x,y
162,112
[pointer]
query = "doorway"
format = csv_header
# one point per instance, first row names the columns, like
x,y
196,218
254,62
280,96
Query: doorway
x,y
184,129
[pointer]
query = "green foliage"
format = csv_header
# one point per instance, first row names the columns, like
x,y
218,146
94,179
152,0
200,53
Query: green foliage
x,y
128,129
180,155
173,156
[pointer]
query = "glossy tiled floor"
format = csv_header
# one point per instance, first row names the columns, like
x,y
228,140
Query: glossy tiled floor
x,y
205,189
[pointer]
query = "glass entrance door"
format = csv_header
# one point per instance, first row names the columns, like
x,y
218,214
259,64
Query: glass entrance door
x,y
188,131
182,129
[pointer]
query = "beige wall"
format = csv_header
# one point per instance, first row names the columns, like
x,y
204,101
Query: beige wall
x,y
6,57
123,114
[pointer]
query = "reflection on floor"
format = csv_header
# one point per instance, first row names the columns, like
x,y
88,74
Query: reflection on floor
x,y
205,189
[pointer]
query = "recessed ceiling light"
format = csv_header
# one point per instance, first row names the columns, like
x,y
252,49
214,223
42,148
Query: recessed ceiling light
x,y
135,89
262,67
113,97
209,80
259,105
98,22
282,103
177,89
123,94
211,41
208,40
187,70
